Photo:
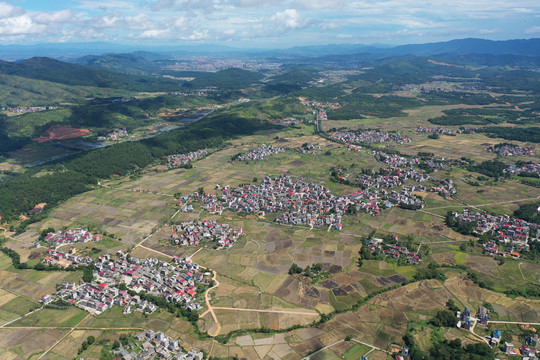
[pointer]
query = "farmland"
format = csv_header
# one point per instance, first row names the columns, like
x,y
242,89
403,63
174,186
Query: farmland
x,y
280,291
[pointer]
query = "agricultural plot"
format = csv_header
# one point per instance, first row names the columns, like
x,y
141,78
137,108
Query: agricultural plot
x,y
128,216
20,344
31,285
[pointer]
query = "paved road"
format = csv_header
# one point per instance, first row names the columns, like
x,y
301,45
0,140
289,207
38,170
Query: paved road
x,y
20,317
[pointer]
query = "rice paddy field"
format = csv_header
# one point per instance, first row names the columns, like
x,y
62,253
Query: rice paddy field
x,y
255,289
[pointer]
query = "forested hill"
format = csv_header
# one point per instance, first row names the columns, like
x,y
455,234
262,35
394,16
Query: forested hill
x,y
42,68
122,63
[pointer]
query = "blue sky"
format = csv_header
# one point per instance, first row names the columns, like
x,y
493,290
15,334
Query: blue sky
x,y
265,23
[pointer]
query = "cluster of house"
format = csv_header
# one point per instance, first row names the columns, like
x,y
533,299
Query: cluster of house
x,y
193,93
209,200
505,228
303,203
114,135
390,178
65,259
368,137
121,100
509,150
28,109
176,282
150,345
466,131
394,159
493,249
318,104
78,235
372,201
526,352
183,159
288,121
193,232
394,250
403,355
445,188
308,148
352,147
434,130
260,153
527,168
434,86
468,322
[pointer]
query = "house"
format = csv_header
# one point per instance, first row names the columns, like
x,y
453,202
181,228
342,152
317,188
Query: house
x,y
509,348
45,299
496,338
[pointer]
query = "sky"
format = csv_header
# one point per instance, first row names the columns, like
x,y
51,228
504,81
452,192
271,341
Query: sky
x,y
265,23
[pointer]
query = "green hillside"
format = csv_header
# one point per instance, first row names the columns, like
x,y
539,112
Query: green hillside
x,y
72,74
21,91
121,63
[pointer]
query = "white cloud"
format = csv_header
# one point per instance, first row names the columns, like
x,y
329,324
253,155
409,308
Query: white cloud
x,y
20,25
344,36
107,21
320,4
55,17
106,5
8,10
286,20
138,22
197,35
533,30
153,34
487,31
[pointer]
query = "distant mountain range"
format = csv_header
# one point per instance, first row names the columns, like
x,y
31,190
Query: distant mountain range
x,y
520,47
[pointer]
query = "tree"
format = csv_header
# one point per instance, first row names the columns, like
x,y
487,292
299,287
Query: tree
x,y
444,318
295,269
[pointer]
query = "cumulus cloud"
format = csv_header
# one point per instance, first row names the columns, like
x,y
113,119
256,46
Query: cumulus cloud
x,y
8,10
286,20
20,25
55,17
197,35
153,34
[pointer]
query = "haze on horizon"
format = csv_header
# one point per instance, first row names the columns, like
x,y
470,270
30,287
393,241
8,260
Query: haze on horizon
x,y
264,23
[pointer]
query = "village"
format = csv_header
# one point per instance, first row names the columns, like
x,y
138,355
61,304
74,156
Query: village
x,y
526,169
114,135
184,159
434,130
509,150
194,232
28,109
393,249
369,137
61,238
468,322
259,153
514,234
308,148
303,203
117,282
149,345
288,121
